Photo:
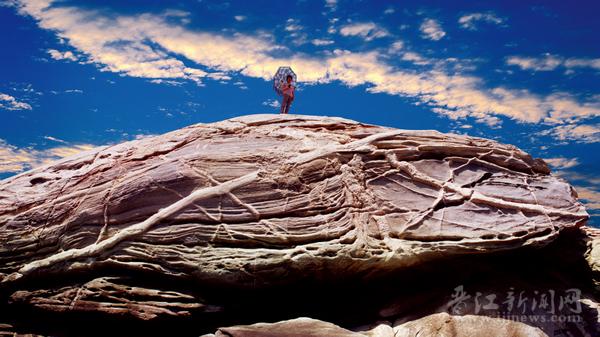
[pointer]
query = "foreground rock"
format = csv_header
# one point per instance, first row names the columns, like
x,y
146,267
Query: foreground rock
x,y
440,324
179,225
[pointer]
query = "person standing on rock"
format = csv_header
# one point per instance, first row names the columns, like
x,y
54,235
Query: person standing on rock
x,y
288,94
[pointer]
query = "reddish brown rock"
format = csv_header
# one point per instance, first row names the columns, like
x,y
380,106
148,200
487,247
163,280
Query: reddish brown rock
x,y
441,324
298,327
262,201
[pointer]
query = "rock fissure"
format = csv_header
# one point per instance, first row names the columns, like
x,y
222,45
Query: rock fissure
x,y
266,203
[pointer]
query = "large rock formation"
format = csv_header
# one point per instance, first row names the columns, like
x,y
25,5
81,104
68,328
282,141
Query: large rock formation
x,y
441,324
199,224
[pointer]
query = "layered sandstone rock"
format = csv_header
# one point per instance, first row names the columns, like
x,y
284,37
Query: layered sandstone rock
x,y
441,324
149,228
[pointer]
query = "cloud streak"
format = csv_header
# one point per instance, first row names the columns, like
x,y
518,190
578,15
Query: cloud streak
x,y
366,30
10,103
562,163
432,30
151,46
14,159
470,21
572,132
591,197
58,55
549,62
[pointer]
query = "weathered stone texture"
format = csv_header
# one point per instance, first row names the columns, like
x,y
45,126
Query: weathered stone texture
x,y
265,200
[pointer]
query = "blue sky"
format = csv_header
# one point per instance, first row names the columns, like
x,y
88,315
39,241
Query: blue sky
x,y
79,74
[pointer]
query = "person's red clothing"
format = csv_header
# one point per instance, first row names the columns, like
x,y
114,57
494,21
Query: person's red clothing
x,y
285,105
288,89
288,97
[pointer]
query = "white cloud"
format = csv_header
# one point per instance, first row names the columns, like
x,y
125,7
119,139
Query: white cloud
x,y
10,103
241,85
414,58
272,103
14,159
582,63
54,153
396,46
332,29
147,45
331,4
432,30
470,21
549,62
58,55
491,121
167,82
54,139
562,163
240,17
590,179
292,25
8,3
321,42
366,30
580,133
546,63
591,198
295,31
389,11
74,91
590,193
117,43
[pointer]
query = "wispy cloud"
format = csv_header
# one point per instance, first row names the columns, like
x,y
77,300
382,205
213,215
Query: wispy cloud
x,y
586,185
332,28
240,85
321,42
549,62
54,139
292,25
272,103
432,30
10,103
545,63
296,31
67,91
149,45
414,58
470,21
561,163
117,43
14,159
366,30
58,55
240,17
585,133
396,46
331,4
167,82
590,197
571,176
582,63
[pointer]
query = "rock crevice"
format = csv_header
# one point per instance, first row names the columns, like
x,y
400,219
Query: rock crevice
x,y
262,202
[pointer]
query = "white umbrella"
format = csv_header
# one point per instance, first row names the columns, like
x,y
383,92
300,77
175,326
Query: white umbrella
x,y
280,78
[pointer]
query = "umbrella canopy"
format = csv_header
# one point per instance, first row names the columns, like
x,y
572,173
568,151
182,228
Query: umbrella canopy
x,y
280,77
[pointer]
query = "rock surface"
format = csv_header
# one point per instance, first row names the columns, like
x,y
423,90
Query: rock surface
x,y
441,324
148,229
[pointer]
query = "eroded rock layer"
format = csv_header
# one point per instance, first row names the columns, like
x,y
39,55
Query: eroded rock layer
x,y
441,324
261,201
